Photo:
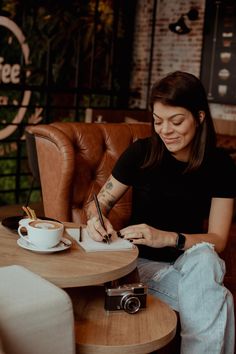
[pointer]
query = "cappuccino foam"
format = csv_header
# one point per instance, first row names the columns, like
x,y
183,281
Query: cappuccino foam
x,y
46,225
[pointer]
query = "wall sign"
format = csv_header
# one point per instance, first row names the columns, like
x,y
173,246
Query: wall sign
x,y
218,70
12,73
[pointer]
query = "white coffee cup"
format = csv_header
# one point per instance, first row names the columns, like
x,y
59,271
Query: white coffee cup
x,y
42,234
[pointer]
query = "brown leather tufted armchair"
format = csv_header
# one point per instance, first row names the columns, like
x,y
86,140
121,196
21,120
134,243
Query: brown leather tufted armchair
x,y
75,159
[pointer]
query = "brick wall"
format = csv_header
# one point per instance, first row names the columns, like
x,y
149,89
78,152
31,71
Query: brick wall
x,y
142,47
170,51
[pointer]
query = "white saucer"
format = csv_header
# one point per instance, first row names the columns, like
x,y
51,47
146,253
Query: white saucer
x,y
60,247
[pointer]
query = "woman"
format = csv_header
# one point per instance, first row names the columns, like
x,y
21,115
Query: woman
x,y
179,179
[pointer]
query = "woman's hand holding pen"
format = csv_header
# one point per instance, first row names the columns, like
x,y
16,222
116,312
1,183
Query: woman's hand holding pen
x,y
96,230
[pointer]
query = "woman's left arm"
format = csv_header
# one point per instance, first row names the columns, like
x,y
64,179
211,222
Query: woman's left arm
x,y
220,219
219,222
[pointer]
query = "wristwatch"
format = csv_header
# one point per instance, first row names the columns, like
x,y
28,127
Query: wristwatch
x,y
180,241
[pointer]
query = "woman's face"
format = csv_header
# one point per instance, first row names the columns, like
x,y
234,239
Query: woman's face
x,y
176,127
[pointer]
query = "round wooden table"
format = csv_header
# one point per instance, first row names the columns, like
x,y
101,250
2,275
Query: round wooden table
x,y
70,268
96,330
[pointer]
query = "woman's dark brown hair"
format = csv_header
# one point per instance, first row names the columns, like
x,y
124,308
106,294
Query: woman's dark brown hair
x,y
181,89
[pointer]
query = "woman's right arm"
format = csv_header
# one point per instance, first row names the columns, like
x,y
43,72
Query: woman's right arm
x,y
109,194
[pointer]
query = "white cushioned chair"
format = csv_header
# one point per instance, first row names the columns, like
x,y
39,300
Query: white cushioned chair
x,y
36,317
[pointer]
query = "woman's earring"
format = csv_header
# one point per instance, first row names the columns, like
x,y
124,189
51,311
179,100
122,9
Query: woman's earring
x,y
201,116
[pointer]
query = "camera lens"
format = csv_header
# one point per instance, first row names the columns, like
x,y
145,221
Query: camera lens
x,y
131,304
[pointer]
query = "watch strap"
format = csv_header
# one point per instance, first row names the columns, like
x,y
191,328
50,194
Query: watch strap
x,y
180,241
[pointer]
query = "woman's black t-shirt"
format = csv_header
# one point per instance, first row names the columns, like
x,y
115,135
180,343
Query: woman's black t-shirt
x,y
166,198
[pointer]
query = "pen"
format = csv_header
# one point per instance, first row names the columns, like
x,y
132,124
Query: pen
x,y
80,234
106,238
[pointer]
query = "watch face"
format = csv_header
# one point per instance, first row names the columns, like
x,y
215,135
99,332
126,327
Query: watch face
x,y
180,242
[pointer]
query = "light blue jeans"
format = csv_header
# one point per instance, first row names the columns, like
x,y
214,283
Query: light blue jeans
x,y
193,286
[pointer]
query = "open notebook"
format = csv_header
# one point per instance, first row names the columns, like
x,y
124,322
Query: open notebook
x,y
89,245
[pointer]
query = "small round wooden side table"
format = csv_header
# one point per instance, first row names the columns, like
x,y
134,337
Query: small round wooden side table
x,y
101,332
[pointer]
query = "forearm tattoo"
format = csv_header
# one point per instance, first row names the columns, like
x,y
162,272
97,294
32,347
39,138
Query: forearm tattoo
x,y
106,198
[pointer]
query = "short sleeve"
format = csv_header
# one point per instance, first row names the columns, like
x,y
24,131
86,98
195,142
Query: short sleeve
x,y
224,176
128,164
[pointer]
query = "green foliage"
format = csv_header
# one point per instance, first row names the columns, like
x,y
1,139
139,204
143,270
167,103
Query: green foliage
x,y
61,36
65,27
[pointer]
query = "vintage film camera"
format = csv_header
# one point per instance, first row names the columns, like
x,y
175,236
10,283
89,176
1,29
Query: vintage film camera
x,y
127,297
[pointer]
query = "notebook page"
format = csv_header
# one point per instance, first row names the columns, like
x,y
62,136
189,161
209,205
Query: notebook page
x,y
89,245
